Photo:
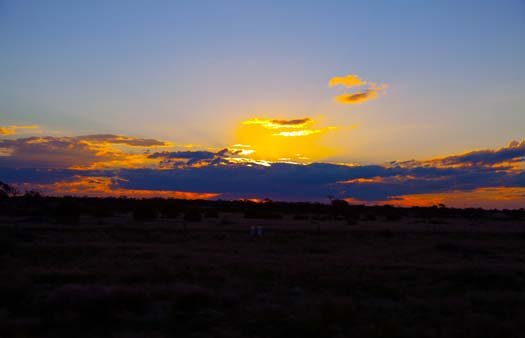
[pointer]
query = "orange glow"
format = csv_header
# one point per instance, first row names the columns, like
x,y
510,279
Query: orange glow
x,y
121,152
491,197
120,160
102,187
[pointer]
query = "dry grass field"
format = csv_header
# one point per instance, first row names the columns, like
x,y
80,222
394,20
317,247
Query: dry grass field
x,y
305,277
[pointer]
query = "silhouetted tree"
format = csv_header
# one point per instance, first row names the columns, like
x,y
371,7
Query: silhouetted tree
x,y
6,190
339,207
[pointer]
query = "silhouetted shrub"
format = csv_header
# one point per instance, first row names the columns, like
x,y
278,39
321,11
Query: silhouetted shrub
x,y
262,214
7,240
301,217
193,311
170,210
391,214
194,299
370,217
211,213
67,211
352,221
15,289
74,305
387,233
339,207
143,212
229,221
193,216
322,218
102,211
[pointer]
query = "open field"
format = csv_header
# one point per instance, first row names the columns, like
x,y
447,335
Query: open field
x,y
121,277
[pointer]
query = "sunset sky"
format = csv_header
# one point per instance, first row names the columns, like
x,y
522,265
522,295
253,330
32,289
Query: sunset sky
x,y
398,102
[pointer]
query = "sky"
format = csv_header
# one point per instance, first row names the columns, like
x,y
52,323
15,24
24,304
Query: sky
x,y
399,102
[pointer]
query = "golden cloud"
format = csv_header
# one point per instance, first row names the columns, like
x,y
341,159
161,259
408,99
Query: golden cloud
x,y
369,90
350,80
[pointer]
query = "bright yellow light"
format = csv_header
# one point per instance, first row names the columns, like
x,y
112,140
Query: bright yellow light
x,y
272,144
296,133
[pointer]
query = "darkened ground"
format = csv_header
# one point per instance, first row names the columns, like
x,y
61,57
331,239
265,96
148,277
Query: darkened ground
x,y
323,273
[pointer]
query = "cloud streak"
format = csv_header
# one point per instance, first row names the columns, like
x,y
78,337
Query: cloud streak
x,y
371,93
14,129
279,124
104,139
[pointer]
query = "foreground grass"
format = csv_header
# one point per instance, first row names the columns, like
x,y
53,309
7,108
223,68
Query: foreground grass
x,y
118,277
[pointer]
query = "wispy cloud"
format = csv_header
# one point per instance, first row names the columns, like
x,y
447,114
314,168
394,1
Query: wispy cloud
x,y
14,129
303,132
279,124
104,139
296,133
371,93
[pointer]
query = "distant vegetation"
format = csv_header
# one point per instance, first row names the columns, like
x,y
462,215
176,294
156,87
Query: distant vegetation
x,y
68,210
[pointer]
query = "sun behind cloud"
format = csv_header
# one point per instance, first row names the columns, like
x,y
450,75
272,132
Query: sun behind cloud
x,y
277,139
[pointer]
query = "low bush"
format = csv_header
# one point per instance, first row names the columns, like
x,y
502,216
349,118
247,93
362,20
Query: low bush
x,y
67,212
193,216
